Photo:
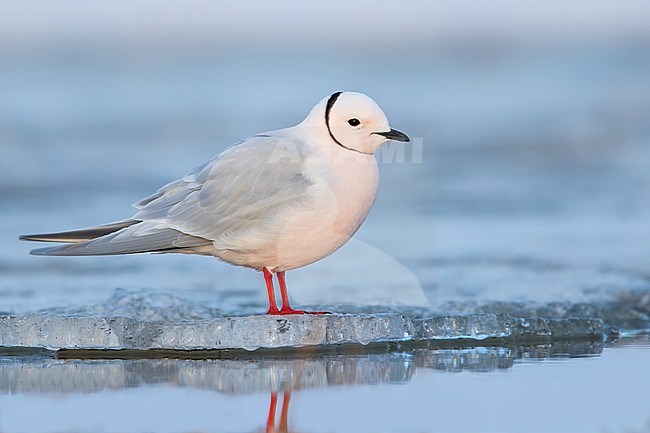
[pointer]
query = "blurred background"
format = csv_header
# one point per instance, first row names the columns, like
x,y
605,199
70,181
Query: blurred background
x,y
533,122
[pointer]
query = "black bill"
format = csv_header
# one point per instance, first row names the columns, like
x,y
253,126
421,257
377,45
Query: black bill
x,y
394,134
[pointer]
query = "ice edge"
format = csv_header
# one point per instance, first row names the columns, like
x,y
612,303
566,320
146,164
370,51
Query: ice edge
x,y
56,332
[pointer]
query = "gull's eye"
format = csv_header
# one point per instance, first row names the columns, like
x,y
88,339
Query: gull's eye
x,y
354,122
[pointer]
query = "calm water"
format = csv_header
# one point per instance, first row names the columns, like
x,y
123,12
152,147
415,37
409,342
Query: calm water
x,y
581,387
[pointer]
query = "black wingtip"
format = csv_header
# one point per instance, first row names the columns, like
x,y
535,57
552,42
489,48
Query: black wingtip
x,y
39,238
79,235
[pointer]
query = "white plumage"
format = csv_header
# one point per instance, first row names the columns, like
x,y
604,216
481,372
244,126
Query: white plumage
x,y
274,202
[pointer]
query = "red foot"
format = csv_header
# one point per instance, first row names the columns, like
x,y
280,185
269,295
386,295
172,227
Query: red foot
x,y
289,311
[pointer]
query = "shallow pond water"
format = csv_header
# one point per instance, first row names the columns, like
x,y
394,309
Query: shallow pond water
x,y
565,387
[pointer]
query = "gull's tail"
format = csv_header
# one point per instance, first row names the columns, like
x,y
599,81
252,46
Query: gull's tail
x,y
122,237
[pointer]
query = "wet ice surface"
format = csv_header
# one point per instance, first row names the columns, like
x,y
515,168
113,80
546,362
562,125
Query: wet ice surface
x,y
139,321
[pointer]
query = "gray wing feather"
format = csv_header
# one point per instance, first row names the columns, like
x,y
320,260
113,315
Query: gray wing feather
x,y
140,238
240,188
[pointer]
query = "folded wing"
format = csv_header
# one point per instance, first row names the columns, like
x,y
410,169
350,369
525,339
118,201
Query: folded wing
x,y
241,188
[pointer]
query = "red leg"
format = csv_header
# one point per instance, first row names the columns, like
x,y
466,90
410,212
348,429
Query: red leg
x,y
268,277
270,421
286,307
284,415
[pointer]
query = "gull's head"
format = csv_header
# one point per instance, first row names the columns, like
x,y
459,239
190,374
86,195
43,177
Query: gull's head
x,y
355,122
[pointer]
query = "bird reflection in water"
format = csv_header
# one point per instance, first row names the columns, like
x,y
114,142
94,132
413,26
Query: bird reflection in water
x,y
283,426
